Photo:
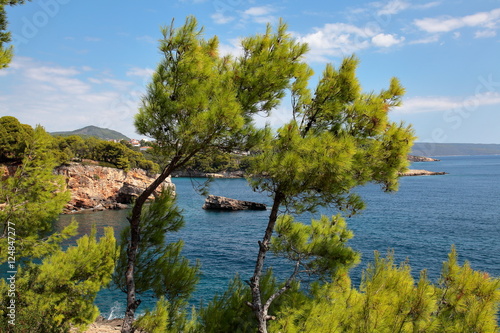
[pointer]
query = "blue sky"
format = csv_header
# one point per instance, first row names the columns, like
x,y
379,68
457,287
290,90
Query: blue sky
x,y
80,63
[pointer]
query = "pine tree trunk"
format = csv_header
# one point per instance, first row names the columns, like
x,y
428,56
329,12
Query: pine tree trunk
x,y
133,245
257,305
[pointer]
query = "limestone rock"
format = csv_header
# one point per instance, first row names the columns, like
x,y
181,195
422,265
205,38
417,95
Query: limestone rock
x,y
213,202
96,187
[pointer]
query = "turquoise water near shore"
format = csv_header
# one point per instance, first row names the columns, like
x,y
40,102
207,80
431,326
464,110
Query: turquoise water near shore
x,y
420,222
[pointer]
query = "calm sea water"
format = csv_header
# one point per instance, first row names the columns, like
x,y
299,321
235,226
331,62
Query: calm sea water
x,y
420,222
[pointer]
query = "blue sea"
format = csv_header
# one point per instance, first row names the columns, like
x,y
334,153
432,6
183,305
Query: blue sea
x,y
420,222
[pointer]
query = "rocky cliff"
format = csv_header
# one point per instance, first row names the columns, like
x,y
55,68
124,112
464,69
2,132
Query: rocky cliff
x,y
98,188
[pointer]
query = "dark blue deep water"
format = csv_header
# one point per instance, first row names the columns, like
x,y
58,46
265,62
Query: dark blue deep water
x,y
420,223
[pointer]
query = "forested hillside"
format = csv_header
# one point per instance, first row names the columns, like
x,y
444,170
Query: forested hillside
x,y
430,149
101,133
14,135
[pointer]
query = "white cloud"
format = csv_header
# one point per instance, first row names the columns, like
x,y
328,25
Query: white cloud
x,y
220,18
259,11
393,7
387,8
64,98
489,20
140,72
428,5
485,34
234,48
426,40
340,39
444,103
261,15
386,40
336,39
57,78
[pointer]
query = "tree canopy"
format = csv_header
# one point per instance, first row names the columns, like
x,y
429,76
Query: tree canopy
x,y
54,289
339,137
199,101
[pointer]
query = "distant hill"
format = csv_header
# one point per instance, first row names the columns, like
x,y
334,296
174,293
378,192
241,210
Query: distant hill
x,y
454,149
98,132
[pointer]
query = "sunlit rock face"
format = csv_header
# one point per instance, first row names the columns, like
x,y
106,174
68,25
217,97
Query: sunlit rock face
x,y
96,187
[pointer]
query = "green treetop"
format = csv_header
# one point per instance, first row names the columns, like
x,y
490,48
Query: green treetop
x,y
199,101
339,138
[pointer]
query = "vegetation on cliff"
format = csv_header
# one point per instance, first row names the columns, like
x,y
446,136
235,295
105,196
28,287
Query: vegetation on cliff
x,y
14,135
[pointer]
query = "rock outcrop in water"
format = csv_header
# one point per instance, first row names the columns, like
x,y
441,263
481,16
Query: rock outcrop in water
x,y
422,173
413,158
213,202
99,188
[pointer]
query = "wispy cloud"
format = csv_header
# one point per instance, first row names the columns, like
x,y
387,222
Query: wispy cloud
x,y
221,18
386,40
340,39
426,40
387,8
140,72
487,21
65,98
485,34
445,103
393,7
261,14
147,39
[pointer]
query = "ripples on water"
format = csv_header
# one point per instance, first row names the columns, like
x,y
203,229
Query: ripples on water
x,y
420,222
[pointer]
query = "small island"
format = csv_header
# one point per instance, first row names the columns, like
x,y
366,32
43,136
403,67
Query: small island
x,y
421,173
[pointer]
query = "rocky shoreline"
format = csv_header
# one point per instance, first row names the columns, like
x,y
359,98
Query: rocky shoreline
x,y
96,188
241,174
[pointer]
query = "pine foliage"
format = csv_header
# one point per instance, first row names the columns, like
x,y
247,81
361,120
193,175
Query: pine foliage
x,y
339,138
54,288
33,196
59,292
390,300
318,249
160,268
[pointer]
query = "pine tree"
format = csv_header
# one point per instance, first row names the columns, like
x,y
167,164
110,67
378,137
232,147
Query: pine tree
x,y
199,101
33,196
59,292
160,267
390,300
53,289
338,139
468,300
